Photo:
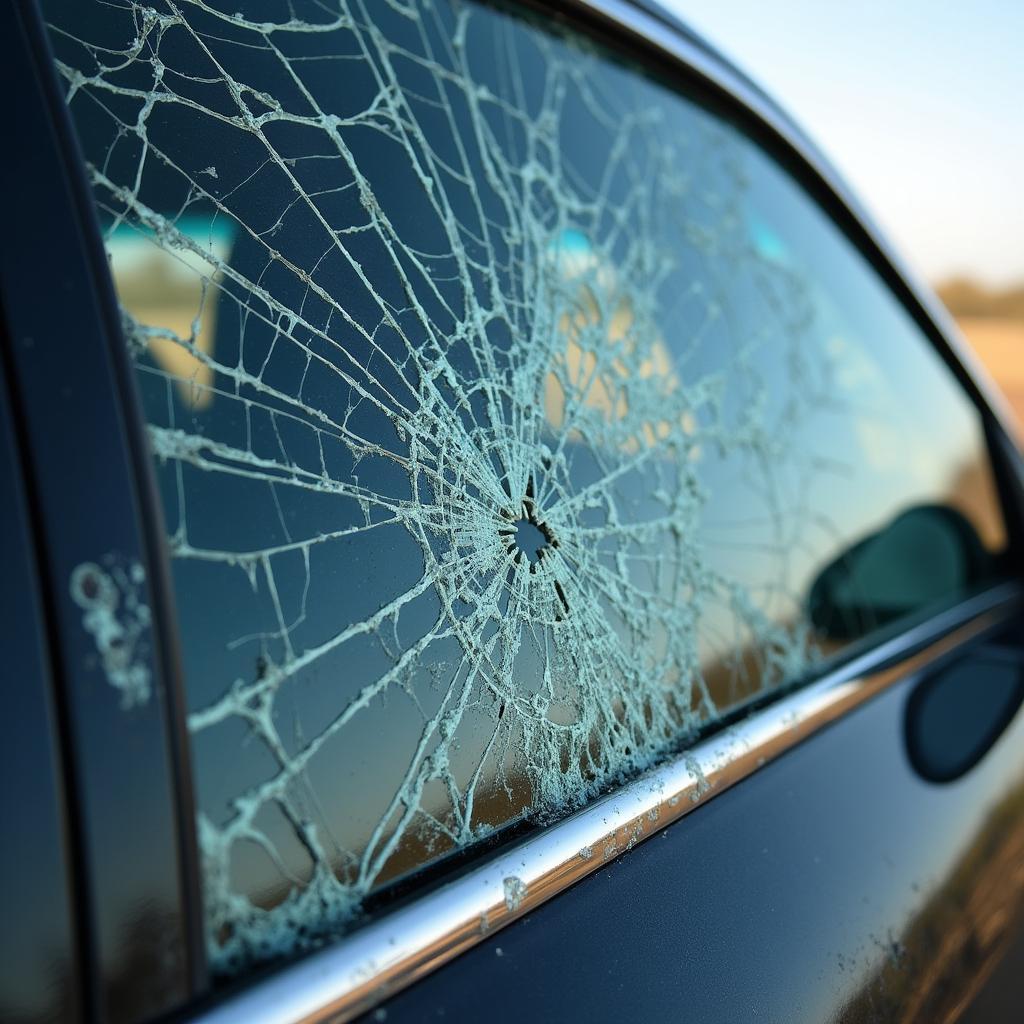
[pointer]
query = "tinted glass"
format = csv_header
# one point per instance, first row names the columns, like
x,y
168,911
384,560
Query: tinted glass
x,y
514,417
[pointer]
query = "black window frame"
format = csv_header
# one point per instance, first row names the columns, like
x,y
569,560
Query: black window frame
x,y
90,487
40,969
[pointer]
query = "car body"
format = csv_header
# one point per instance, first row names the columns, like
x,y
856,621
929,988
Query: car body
x,y
861,858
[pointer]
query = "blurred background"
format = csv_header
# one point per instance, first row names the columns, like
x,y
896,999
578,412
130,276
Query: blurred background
x,y
920,106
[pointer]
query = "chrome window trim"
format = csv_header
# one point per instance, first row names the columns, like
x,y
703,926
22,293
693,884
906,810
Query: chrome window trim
x,y
344,980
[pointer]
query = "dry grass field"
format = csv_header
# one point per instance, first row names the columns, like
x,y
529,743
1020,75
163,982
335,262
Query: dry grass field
x,y
993,321
999,343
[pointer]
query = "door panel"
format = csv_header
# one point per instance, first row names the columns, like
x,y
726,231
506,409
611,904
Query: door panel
x,y
835,884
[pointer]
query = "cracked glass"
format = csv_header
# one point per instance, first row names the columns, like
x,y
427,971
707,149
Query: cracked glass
x,y
515,418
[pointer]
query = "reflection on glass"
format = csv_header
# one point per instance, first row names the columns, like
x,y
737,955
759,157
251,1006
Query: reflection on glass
x,y
505,405
168,299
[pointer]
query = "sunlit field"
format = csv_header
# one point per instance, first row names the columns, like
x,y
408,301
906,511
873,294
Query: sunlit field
x,y
993,321
1000,345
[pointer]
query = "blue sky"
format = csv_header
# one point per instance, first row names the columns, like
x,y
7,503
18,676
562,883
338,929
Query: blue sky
x,y
919,103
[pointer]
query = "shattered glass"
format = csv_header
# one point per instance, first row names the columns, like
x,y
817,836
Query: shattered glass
x,y
504,405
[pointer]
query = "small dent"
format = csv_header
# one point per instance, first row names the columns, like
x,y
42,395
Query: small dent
x,y
515,893
116,617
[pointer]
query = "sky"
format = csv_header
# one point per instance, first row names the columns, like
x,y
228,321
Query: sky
x,y
918,103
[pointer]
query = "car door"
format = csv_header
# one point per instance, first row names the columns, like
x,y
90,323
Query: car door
x,y
534,553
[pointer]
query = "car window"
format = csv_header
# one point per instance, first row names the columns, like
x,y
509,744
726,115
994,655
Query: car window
x,y
515,418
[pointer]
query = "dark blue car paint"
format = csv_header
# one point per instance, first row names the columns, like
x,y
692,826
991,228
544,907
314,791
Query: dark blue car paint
x,y
834,885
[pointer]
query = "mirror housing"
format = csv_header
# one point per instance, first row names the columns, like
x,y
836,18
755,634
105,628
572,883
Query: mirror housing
x,y
925,554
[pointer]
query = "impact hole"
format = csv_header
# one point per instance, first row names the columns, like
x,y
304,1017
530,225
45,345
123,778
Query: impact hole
x,y
530,539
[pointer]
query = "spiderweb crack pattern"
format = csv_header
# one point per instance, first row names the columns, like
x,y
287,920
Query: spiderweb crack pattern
x,y
511,344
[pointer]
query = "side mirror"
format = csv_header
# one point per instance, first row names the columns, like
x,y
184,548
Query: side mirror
x,y
925,554
954,716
